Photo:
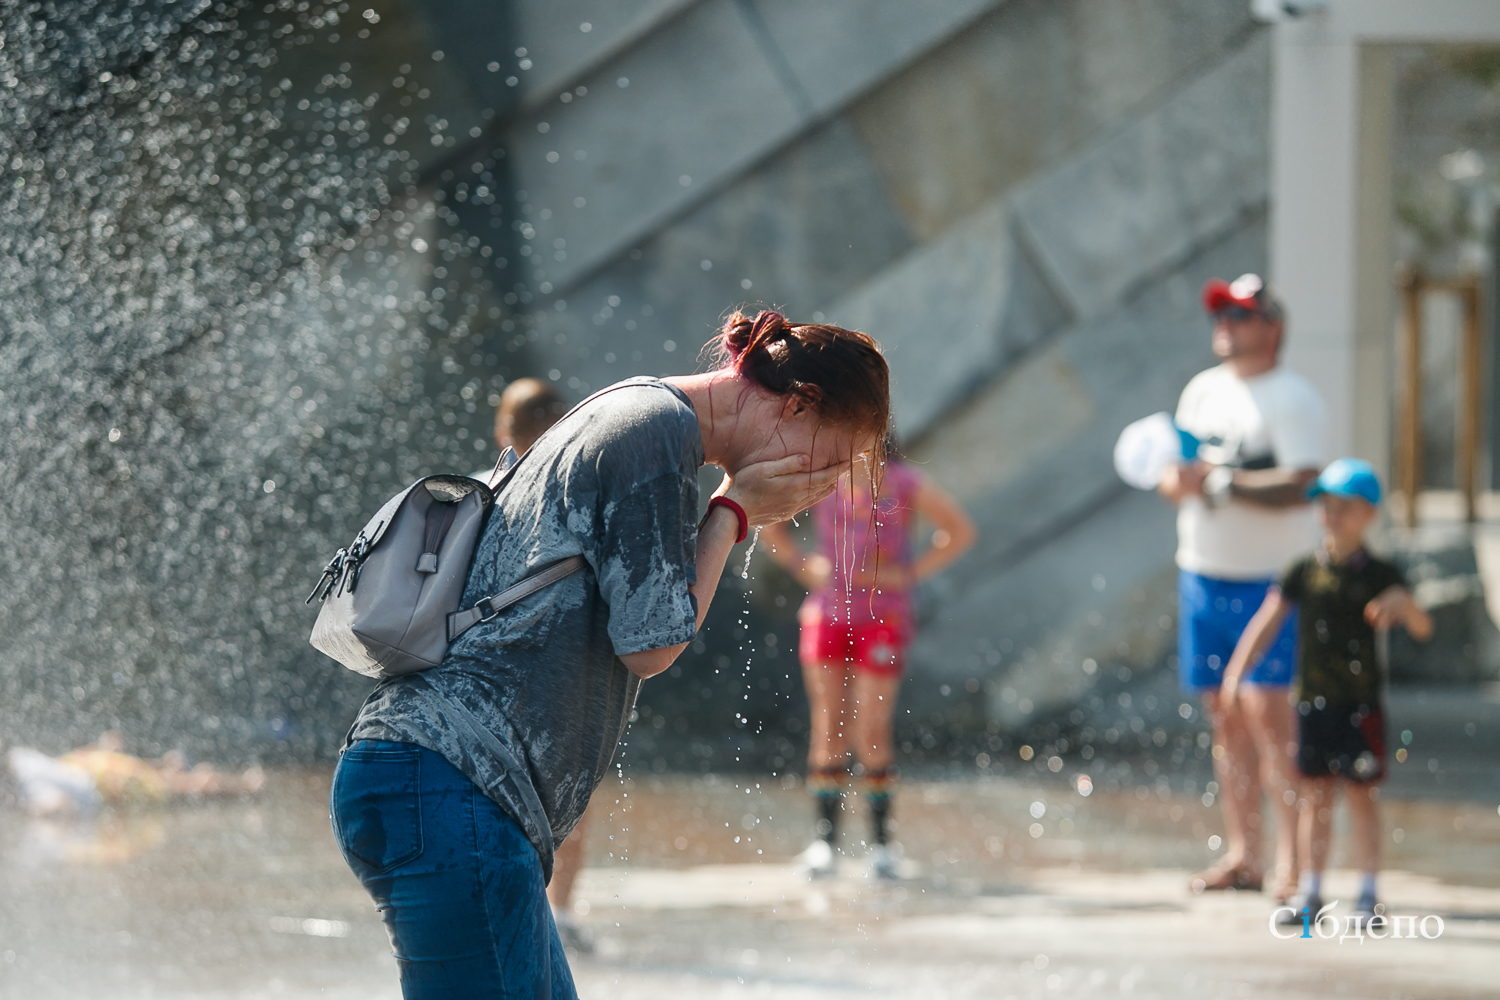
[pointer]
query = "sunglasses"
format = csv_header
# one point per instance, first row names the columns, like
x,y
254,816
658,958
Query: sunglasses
x,y
1236,313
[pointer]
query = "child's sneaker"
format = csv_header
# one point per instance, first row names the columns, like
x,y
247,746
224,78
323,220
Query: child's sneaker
x,y
819,861
1291,913
1367,907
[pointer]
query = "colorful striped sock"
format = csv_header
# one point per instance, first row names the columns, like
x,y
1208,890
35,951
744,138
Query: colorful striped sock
x,y
878,787
826,784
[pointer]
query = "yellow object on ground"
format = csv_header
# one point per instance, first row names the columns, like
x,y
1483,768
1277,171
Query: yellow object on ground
x,y
121,778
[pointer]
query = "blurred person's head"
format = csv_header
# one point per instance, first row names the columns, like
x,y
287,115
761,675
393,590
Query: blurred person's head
x,y
826,389
1249,322
1349,495
528,406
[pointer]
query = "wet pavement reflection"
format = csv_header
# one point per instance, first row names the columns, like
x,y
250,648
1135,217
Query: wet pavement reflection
x,y
1016,887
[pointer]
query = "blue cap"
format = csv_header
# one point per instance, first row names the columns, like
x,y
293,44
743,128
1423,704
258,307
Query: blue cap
x,y
1348,477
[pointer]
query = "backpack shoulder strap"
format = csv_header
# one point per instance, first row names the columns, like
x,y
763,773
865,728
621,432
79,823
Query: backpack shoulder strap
x,y
460,622
507,461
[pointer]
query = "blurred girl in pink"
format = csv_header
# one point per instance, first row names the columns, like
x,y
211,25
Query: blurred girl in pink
x,y
856,625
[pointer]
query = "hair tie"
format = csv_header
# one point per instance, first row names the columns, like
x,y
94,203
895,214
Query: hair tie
x,y
764,321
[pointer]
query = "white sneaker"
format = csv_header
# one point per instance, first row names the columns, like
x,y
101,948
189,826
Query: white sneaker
x,y
882,863
818,860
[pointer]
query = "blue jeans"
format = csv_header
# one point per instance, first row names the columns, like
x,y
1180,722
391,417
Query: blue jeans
x,y
455,880
1211,615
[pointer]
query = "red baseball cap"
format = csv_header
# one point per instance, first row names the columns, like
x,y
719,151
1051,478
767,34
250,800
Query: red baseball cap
x,y
1248,291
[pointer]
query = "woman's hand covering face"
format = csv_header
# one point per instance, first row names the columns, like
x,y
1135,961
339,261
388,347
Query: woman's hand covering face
x,y
778,490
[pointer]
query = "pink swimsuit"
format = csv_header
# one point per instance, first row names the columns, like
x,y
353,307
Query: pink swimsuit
x,y
847,623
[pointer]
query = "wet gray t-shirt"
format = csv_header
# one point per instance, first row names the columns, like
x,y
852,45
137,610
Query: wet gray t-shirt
x,y
615,481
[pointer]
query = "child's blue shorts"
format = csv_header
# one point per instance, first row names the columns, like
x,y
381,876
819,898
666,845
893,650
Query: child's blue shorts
x,y
1211,614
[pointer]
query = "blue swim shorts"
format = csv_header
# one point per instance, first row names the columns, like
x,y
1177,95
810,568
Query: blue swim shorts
x,y
1211,614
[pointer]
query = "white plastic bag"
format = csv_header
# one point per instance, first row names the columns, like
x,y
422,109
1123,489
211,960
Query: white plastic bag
x,y
50,786
1146,447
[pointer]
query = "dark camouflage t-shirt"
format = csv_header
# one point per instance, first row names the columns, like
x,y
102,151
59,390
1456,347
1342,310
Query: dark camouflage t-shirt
x,y
617,482
1336,646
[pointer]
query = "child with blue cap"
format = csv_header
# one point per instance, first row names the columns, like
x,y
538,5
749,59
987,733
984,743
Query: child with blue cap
x,y
1343,595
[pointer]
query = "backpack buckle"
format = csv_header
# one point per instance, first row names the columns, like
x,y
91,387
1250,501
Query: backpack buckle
x,y
330,576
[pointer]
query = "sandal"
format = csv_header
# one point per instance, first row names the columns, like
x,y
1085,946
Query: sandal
x,y
1224,877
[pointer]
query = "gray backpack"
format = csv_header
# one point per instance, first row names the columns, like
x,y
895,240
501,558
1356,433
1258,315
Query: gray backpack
x,y
391,599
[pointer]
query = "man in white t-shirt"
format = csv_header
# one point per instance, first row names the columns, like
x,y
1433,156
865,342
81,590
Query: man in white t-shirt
x,y
1243,517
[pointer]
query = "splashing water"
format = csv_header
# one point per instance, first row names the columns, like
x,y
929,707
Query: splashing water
x,y
240,311
749,553
259,272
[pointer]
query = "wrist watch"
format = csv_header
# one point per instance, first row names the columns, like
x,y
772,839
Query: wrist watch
x,y
1217,485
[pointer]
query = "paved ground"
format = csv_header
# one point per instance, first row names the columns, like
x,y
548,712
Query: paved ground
x,y
690,894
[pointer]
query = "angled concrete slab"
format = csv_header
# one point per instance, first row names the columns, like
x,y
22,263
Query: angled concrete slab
x,y
690,106
528,51
1143,199
1024,87
1069,244
564,39
949,314
800,232
836,48
705,95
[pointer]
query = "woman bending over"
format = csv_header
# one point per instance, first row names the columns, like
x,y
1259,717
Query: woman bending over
x,y
458,782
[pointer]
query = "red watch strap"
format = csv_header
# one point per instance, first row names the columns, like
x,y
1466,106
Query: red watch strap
x,y
739,512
